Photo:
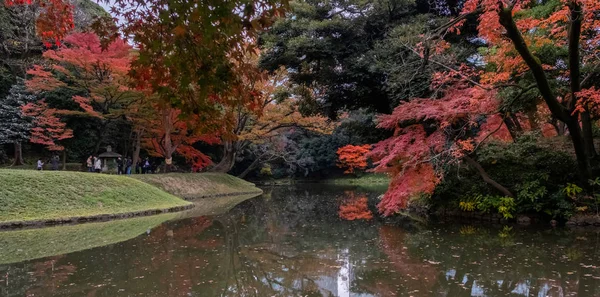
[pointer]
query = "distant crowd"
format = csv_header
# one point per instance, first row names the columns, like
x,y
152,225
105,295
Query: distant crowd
x,y
124,165
94,164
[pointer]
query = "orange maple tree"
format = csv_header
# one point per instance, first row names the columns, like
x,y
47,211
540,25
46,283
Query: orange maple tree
x,y
519,40
353,157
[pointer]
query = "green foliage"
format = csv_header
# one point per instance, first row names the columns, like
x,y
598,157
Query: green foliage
x,y
505,206
354,54
572,190
533,169
541,10
266,170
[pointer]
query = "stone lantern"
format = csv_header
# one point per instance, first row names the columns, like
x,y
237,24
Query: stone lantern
x,y
109,160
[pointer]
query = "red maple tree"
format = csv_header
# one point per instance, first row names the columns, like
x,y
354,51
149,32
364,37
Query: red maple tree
x,y
167,133
55,20
47,129
429,133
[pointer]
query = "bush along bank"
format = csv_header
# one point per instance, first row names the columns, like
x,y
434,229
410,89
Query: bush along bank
x,y
540,177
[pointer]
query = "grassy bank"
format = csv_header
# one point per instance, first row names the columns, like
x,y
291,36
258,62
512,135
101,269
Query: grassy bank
x,y
200,185
28,244
367,179
27,195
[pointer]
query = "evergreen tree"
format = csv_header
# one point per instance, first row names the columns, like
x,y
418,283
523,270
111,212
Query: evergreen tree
x,y
14,125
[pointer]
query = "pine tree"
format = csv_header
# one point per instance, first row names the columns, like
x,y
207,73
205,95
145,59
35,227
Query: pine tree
x,y
14,125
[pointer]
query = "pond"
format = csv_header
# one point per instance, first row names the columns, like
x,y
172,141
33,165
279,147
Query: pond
x,y
297,241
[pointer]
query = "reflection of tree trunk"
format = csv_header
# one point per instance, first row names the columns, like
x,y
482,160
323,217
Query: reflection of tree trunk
x,y
228,160
487,178
250,168
18,154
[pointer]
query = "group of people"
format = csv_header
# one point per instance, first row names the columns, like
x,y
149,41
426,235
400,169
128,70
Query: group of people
x,y
124,165
54,161
94,164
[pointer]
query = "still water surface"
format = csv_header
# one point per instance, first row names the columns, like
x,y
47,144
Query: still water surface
x,y
292,242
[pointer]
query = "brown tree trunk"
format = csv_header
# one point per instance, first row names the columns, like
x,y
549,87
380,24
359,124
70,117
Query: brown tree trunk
x,y
558,110
18,154
64,159
249,168
514,128
588,134
583,161
487,178
138,147
228,160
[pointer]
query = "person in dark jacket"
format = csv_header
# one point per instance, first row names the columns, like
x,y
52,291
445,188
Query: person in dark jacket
x,y
119,165
55,160
128,166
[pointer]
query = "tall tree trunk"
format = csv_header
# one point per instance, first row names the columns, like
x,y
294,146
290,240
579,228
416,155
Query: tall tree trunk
x,y
533,121
487,178
249,168
228,160
138,147
583,161
18,154
514,128
64,159
557,109
588,135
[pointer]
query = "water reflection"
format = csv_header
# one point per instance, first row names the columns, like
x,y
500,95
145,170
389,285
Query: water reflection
x,y
292,242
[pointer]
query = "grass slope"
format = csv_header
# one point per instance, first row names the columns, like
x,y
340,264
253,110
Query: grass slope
x,y
199,185
28,244
27,195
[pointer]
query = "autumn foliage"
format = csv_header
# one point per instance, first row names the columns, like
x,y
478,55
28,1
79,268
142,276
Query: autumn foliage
x,y
55,20
353,157
47,129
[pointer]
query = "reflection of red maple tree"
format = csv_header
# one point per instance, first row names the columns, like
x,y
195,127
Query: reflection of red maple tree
x,y
355,208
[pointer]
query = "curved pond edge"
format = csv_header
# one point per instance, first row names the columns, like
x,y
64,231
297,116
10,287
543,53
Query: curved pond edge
x,y
190,198
93,218
117,216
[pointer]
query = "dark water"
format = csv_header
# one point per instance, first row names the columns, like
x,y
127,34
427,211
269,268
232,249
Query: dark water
x,y
293,242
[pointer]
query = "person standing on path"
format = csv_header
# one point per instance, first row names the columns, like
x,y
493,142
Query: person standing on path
x,y
55,160
119,166
90,163
40,164
98,165
129,164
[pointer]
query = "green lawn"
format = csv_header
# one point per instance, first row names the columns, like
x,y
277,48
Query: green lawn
x,y
199,185
27,195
